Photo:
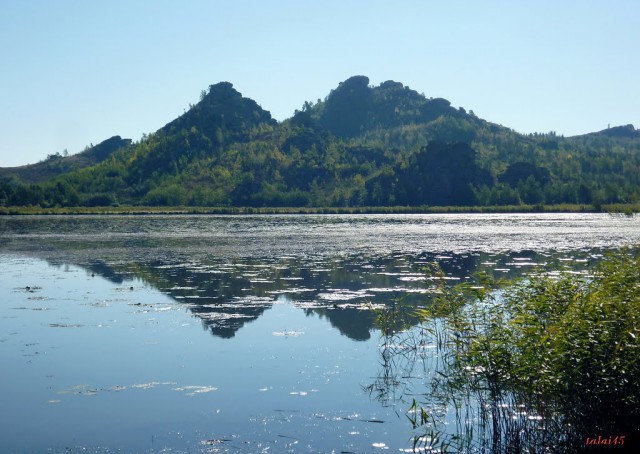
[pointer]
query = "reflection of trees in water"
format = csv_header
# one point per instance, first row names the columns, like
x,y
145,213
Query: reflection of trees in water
x,y
354,323
227,294
224,320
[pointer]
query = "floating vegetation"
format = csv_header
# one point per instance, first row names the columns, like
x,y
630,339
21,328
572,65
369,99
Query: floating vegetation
x,y
81,390
23,308
254,301
365,306
192,390
411,278
298,393
117,388
65,325
353,417
221,316
216,441
288,333
150,385
291,290
344,295
144,308
38,298
401,274
388,289
518,264
87,390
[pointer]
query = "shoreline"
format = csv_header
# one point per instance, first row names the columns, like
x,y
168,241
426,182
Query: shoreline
x,y
628,209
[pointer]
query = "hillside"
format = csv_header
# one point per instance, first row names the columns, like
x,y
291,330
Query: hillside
x,y
362,145
57,164
626,131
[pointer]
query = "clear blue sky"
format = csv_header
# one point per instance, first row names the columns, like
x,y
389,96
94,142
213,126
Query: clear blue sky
x,y
75,72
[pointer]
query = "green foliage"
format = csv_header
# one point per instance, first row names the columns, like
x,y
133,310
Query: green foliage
x,y
441,174
58,164
575,343
361,146
561,350
171,195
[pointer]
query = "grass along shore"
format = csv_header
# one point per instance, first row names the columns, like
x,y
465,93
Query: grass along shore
x,y
171,210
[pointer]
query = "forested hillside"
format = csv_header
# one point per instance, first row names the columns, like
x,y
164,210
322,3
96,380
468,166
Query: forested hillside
x,y
59,163
362,145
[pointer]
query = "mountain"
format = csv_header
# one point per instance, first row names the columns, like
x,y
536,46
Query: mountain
x,y
221,112
362,145
57,164
354,107
626,131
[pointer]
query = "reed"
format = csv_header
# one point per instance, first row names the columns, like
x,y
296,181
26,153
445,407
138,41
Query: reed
x,y
548,363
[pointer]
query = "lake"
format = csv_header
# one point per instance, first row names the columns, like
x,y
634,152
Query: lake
x,y
238,333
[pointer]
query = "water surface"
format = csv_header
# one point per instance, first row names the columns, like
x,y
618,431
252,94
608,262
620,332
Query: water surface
x,y
236,333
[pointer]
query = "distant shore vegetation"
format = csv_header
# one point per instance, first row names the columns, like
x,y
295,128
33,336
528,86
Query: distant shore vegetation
x,y
626,209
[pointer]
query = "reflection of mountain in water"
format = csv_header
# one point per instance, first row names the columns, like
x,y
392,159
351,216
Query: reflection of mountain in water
x,y
227,295
352,322
224,319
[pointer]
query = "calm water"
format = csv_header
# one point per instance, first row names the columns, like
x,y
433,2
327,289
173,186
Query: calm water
x,y
236,333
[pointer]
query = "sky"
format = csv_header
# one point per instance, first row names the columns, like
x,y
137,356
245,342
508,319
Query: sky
x,y
76,72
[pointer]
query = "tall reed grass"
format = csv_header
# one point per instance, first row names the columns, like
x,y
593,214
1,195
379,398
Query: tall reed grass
x,y
550,363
